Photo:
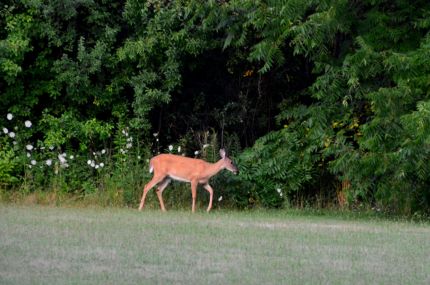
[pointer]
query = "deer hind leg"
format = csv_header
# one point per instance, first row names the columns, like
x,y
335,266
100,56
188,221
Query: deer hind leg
x,y
211,194
155,180
160,189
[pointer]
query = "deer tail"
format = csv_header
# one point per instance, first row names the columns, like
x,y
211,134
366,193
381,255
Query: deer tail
x,y
151,167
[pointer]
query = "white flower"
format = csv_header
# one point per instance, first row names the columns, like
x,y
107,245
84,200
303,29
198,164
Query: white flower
x,y
42,147
51,147
95,154
129,145
93,163
15,143
130,139
64,154
49,162
179,148
89,162
170,147
102,164
205,146
138,157
71,157
29,166
12,134
196,152
9,116
29,147
157,140
5,130
97,166
279,190
61,158
103,151
220,198
28,154
33,162
155,135
28,124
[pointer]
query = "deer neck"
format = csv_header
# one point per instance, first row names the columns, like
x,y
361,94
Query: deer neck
x,y
214,168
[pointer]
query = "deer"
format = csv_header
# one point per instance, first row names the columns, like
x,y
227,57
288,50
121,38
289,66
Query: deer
x,y
185,169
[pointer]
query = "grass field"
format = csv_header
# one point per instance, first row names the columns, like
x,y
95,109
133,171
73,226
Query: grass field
x,y
45,245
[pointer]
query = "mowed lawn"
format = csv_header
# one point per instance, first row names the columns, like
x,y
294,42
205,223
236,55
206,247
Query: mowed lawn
x,y
45,245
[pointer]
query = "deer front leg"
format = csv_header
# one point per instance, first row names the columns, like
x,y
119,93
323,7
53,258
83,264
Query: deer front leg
x,y
211,193
194,194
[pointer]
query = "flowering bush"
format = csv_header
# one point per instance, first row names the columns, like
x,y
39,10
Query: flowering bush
x,y
8,163
68,160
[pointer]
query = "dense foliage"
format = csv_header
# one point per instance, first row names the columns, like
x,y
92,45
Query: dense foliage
x,y
306,95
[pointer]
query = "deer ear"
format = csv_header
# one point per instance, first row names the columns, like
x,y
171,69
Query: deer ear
x,y
222,153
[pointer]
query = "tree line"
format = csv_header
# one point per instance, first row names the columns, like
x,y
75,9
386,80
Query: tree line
x,y
321,103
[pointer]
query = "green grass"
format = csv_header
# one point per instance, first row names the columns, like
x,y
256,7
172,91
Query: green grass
x,y
46,245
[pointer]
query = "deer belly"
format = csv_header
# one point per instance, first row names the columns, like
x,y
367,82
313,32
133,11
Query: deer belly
x,y
177,178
